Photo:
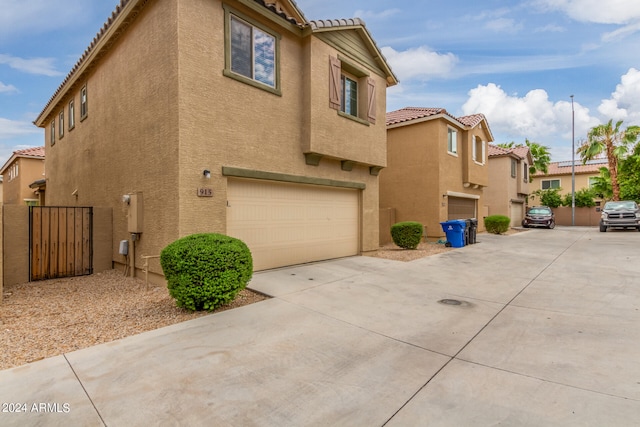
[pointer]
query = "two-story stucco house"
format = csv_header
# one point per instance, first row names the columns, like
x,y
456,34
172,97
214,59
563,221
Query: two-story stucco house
x,y
237,116
19,172
509,182
436,167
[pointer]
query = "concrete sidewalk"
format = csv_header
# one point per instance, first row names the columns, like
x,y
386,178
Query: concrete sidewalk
x,y
546,334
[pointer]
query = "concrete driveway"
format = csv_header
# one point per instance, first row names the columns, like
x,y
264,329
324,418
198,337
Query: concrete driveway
x,y
545,334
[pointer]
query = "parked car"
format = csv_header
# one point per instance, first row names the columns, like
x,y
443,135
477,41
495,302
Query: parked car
x,y
539,216
620,214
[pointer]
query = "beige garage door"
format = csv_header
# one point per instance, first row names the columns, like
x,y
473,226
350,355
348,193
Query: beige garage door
x,y
461,208
517,213
287,224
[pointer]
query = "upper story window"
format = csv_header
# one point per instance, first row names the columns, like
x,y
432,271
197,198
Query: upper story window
x,y
61,124
351,91
349,96
477,148
593,180
526,172
72,115
452,141
52,132
514,168
548,184
83,103
251,52
13,171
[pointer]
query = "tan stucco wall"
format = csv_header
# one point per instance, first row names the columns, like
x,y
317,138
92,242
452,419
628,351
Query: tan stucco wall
x,y
15,244
503,188
15,191
420,173
161,111
582,181
330,134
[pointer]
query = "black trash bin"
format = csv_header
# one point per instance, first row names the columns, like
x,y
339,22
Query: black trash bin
x,y
472,225
467,232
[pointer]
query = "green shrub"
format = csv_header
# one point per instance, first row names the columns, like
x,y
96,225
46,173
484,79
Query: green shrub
x,y
205,271
497,224
406,234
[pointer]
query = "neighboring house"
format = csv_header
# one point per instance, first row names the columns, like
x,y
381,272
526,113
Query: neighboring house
x,y
559,175
436,167
237,117
23,168
509,182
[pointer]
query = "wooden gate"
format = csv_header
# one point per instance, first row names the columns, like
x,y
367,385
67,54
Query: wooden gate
x,y
60,242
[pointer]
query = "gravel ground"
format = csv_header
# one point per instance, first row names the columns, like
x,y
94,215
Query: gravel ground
x,y
51,317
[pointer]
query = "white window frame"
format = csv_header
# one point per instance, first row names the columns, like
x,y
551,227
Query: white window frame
x,y
61,124
84,103
474,150
72,114
542,181
452,141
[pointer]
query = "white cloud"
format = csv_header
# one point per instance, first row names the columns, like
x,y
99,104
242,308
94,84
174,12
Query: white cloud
x,y
532,116
420,63
7,88
550,28
13,129
610,12
367,15
39,66
503,25
624,103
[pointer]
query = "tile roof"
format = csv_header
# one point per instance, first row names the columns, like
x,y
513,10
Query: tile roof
x,y
564,168
30,152
413,113
333,23
495,151
472,120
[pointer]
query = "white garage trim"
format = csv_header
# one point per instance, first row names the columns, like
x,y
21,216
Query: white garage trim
x,y
287,223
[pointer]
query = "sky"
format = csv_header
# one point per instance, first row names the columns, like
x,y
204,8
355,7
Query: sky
x,y
516,62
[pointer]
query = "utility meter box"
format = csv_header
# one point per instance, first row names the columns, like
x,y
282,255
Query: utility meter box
x,y
124,247
136,209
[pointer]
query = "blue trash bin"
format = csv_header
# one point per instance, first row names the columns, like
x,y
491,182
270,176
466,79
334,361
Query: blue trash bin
x,y
455,231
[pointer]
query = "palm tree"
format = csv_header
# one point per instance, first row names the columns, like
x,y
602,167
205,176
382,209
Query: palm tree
x,y
539,154
612,141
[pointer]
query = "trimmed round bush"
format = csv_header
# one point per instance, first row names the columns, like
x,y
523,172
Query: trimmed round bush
x,y
205,271
406,234
497,224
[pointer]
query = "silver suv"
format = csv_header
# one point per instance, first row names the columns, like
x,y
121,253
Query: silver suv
x,y
620,214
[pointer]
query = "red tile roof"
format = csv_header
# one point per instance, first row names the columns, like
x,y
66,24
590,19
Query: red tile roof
x,y
408,114
30,152
495,151
472,120
564,168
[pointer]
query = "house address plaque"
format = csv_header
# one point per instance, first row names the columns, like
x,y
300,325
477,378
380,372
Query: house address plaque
x,y
205,192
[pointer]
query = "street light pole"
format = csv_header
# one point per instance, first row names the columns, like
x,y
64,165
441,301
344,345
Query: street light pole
x,y
573,166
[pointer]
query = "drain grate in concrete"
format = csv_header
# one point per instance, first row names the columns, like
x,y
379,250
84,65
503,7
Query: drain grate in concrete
x,y
450,301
